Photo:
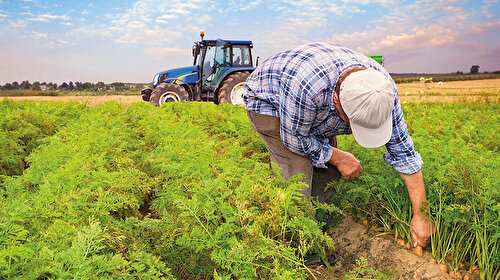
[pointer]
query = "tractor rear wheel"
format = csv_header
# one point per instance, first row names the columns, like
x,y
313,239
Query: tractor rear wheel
x,y
232,89
168,92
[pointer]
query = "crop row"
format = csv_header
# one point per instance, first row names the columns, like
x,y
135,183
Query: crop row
x,y
22,125
143,192
459,146
186,191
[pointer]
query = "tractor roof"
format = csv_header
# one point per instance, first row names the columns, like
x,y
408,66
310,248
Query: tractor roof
x,y
234,42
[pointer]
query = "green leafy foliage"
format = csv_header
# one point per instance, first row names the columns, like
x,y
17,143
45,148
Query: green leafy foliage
x,y
146,192
24,124
186,191
363,271
460,151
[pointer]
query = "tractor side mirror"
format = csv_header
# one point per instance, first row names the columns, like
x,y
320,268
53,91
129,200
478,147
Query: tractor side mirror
x,y
196,50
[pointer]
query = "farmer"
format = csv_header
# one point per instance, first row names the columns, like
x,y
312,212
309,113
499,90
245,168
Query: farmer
x,y
299,99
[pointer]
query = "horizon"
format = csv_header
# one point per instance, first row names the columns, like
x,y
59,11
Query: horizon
x,y
142,83
130,41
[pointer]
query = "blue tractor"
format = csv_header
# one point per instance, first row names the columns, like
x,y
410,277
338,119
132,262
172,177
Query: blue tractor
x,y
218,75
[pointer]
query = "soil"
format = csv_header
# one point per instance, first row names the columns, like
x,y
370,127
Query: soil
x,y
353,240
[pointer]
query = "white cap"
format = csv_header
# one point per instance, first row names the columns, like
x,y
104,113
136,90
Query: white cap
x,y
367,98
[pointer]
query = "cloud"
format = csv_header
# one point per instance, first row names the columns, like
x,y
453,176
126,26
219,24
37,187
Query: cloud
x,y
180,11
17,26
479,28
289,35
168,16
145,21
402,30
419,25
485,9
62,42
384,3
48,17
38,35
168,58
420,37
250,5
167,53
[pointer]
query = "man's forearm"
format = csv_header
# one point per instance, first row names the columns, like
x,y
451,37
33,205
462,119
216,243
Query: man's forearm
x,y
420,227
416,189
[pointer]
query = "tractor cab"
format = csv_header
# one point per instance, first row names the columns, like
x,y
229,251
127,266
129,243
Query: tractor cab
x,y
218,59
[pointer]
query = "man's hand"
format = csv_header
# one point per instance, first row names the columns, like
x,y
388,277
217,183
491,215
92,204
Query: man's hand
x,y
346,163
420,229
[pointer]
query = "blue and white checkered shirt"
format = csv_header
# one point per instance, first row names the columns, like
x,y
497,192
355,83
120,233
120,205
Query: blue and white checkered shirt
x,y
297,86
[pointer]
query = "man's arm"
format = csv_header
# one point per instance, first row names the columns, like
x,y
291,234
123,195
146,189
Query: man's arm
x,y
420,227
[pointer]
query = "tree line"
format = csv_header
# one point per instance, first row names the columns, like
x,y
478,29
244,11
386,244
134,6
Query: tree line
x,y
76,86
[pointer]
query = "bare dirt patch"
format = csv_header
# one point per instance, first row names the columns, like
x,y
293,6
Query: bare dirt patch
x,y
353,241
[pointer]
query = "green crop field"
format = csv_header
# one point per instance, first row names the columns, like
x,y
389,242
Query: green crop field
x,y
186,191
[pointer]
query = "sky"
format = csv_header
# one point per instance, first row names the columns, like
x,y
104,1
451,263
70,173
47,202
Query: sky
x,y
130,41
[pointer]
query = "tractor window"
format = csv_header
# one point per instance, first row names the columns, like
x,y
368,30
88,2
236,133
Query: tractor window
x,y
241,56
223,53
222,60
207,65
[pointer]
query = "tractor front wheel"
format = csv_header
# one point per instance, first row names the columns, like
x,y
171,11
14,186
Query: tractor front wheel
x,y
168,92
232,89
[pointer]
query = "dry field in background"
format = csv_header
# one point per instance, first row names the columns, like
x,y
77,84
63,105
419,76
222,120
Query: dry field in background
x,y
487,90
455,91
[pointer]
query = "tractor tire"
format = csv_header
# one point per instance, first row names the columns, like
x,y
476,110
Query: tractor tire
x,y
232,89
168,92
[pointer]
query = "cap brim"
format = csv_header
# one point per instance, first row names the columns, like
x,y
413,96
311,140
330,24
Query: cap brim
x,y
372,137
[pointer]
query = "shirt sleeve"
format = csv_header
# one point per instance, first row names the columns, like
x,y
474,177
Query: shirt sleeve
x,y
401,154
299,100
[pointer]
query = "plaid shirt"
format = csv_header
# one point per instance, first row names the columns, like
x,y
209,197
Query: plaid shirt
x,y
297,86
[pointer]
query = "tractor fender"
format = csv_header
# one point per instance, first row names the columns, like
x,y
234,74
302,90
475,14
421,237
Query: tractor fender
x,y
231,71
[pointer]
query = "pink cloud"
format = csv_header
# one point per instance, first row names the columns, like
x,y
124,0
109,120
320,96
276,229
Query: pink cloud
x,y
420,37
478,28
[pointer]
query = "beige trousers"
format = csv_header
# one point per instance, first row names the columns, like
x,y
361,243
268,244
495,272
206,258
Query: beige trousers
x,y
290,163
